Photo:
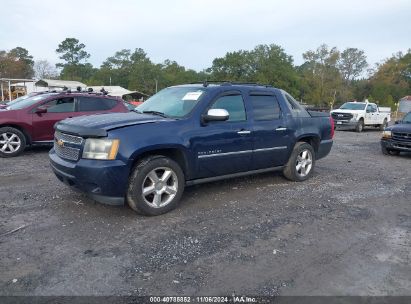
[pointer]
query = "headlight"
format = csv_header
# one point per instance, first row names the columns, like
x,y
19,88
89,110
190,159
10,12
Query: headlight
x,y
101,148
386,134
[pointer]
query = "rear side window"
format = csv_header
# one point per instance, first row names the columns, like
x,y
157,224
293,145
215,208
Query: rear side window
x,y
234,104
265,107
95,104
296,109
60,105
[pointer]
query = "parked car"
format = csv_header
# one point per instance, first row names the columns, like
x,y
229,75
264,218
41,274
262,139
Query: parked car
x,y
30,120
187,135
397,138
358,115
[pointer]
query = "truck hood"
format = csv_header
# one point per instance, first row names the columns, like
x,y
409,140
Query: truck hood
x,y
98,125
346,111
400,128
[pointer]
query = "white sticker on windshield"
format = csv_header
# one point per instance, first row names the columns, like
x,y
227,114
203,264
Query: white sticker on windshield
x,y
192,95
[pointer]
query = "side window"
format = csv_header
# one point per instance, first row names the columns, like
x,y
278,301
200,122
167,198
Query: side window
x,y
296,109
60,105
374,108
95,104
265,107
234,104
369,108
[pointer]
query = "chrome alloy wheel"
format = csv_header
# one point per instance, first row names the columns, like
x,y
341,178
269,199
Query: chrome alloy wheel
x,y
159,187
9,143
304,163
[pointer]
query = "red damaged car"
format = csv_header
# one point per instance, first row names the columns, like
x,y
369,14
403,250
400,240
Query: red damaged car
x,y
30,120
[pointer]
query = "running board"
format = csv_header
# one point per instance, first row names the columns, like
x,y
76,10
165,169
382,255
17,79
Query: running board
x,y
228,176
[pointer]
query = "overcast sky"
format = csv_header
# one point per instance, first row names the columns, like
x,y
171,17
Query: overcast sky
x,y
193,33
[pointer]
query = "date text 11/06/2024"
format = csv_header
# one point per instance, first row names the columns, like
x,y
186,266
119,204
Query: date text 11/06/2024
x,y
206,299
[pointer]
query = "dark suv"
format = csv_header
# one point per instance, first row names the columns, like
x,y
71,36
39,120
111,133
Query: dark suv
x,y
30,120
186,135
397,138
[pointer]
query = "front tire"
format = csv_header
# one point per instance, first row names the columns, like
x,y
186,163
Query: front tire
x,y
386,151
156,185
360,126
12,142
300,165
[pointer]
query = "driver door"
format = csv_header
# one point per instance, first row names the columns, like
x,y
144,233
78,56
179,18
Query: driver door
x,y
57,109
224,147
369,118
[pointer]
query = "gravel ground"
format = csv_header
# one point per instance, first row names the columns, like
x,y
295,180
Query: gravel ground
x,y
346,231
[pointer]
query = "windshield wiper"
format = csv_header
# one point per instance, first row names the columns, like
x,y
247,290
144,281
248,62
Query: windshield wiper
x,y
156,113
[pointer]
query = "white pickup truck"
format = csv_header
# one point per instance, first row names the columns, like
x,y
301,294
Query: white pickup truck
x,y
357,115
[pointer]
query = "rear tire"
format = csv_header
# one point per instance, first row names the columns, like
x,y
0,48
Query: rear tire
x,y
12,142
360,126
155,186
300,165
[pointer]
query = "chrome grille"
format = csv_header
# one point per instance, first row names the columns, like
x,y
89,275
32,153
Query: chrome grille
x,y
67,146
69,138
401,136
342,116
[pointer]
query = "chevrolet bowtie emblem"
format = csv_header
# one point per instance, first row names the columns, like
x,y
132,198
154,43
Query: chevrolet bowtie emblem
x,y
60,143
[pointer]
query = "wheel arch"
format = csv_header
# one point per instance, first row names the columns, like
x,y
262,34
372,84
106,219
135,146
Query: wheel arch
x,y
311,139
22,130
173,152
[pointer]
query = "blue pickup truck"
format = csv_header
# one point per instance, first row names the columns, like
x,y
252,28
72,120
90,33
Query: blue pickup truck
x,y
185,135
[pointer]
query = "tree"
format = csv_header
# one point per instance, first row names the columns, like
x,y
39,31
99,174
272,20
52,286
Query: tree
x,y
74,55
392,79
17,63
143,73
321,75
266,64
352,63
44,69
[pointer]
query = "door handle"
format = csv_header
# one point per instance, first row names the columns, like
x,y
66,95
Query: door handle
x,y
242,132
281,129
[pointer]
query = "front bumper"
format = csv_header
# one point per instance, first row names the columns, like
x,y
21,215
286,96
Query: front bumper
x,y
104,181
398,145
345,124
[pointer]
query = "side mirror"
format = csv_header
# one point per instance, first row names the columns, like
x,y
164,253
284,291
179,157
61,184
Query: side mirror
x,y
41,110
216,115
398,122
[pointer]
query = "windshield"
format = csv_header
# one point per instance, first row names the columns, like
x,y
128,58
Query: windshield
x,y
353,106
17,100
26,102
407,118
173,102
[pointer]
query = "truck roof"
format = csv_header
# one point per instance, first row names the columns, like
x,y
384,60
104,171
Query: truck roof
x,y
214,84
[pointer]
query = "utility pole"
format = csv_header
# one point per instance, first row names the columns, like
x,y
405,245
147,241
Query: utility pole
x,y
9,90
156,84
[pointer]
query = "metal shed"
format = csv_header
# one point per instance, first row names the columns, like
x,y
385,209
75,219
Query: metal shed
x,y
120,92
405,104
53,84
